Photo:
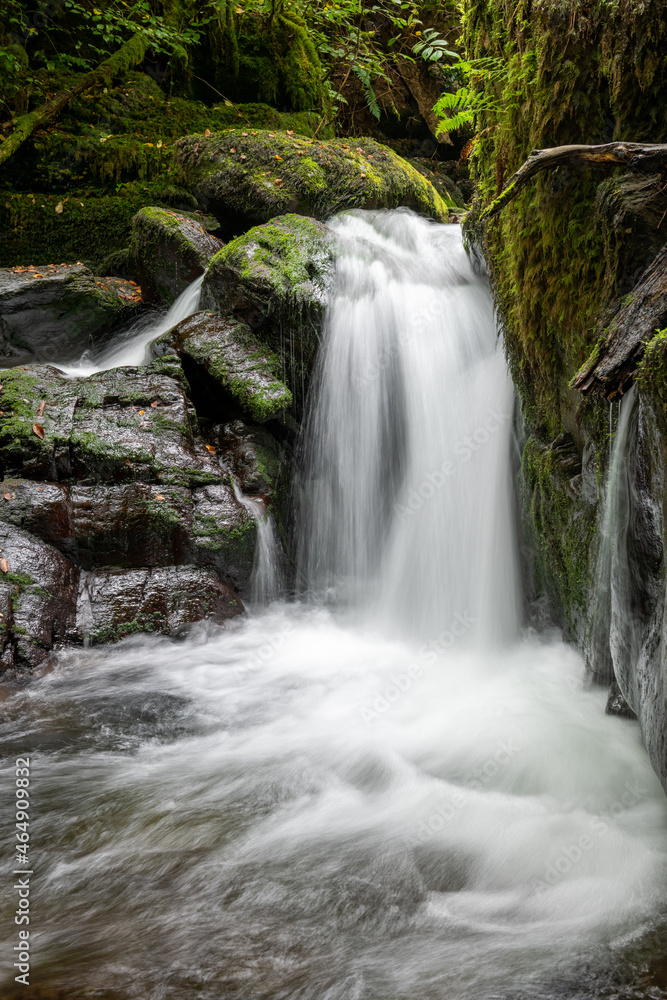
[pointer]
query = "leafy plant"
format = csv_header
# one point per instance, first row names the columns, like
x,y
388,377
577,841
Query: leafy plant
x,y
464,106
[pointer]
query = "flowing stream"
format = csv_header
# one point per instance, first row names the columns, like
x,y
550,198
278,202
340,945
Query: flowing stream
x,y
131,346
383,790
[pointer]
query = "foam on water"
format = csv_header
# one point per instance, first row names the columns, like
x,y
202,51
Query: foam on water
x,y
383,791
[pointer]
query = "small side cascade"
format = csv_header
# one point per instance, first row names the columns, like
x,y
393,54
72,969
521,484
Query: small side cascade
x,y
611,626
131,347
267,579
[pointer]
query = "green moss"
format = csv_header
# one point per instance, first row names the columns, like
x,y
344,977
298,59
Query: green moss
x,y
148,623
258,175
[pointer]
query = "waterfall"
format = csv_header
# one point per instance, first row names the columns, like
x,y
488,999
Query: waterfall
x,y
407,506
266,580
131,346
604,627
381,790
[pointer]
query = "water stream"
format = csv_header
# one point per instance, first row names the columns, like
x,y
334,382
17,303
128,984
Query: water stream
x,y
130,347
384,790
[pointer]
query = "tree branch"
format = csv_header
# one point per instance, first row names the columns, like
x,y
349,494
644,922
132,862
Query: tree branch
x,y
631,155
611,368
127,56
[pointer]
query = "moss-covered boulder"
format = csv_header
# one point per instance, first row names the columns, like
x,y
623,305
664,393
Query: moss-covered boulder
x,y
124,425
58,311
246,177
276,279
169,249
224,358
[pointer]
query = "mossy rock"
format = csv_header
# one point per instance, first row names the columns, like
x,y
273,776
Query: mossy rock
x,y
225,357
276,279
88,228
57,312
246,177
100,429
169,249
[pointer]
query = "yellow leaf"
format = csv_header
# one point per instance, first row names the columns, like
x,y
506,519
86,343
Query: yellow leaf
x,y
4,565
59,208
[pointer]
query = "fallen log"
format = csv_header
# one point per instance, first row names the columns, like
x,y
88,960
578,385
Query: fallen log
x,y
127,56
631,155
610,370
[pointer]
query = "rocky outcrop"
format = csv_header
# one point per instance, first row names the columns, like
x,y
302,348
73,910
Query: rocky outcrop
x,y
169,250
224,358
276,279
58,311
246,177
117,514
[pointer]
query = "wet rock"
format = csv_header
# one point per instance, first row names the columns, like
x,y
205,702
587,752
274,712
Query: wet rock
x,y
246,179
56,312
223,356
38,597
276,279
253,457
223,534
167,600
617,705
169,250
146,525
42,509
125,425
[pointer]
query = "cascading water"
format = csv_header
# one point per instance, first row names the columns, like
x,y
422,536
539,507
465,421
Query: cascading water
x,y
369,795
131,347
266,581
409,494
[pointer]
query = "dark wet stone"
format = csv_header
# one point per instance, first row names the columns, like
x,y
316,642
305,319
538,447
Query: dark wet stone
x,y
166,599
58,311
38,597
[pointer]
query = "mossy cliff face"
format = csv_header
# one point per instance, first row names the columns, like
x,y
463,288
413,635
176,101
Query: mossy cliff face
x,y
564,257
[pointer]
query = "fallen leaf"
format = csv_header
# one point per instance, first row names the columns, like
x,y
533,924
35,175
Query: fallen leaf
x,y
6,496
38,430
153,405
158,496
4,565
243,156
210,447
59,208
141,413
290,131
278,157
244,133
363,175
40,411
207,132
233,149
128,462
